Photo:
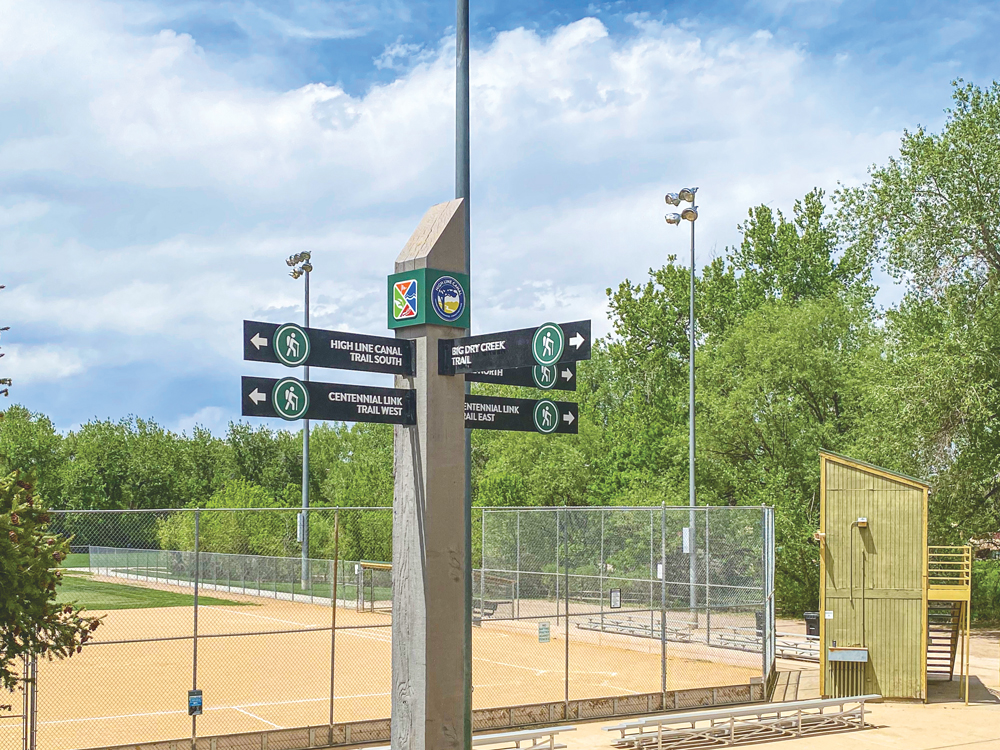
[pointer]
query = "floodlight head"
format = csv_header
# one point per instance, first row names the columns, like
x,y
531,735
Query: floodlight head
x,y
672,218
307,267
690,213
305,255
295,273
687,194
672,199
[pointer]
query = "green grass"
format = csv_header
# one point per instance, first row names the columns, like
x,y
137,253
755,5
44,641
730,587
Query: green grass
x,y
99,595
77,560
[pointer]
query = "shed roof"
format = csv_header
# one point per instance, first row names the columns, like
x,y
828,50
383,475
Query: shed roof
x,y
878,470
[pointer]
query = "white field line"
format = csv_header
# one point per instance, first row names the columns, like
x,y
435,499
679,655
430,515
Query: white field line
x,y
255,716
535,670
229,610
217,708
630,691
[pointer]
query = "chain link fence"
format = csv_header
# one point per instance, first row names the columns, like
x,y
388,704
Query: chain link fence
x,y
17,709
569,604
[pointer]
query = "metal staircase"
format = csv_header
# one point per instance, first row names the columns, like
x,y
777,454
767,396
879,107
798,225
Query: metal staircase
x,y
944,621
949,590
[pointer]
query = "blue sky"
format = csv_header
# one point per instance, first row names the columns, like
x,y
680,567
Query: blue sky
x,y
159,160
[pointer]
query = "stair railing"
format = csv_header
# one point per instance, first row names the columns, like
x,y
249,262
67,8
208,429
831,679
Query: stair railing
x,y
949,566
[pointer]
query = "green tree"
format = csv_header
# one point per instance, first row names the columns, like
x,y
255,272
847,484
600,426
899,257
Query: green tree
x,y
232,532
933,215
785,322
933,212
130,464
32,622
29,443
781,386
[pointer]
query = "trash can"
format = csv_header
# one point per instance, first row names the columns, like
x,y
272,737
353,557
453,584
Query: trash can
x,y
812,623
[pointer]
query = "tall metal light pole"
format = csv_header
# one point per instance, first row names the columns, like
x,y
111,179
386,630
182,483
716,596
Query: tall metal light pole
x,y
689,213
301,266
463,190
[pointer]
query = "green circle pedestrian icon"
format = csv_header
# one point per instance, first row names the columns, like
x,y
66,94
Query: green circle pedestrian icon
x,y
544,376
547,344
545,416
291,345
290,398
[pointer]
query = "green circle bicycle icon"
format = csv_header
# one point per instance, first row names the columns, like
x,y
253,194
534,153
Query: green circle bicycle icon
x,y
547,343
291,345
545,415
290,398
545,376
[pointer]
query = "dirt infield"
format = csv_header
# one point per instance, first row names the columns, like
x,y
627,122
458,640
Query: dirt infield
x,y
118,693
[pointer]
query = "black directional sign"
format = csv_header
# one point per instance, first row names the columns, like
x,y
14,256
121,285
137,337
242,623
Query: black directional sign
x,y
557,377
290,398
295,345
521,414
548,344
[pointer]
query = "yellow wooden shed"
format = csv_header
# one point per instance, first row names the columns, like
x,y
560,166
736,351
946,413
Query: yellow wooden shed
x,y
892,610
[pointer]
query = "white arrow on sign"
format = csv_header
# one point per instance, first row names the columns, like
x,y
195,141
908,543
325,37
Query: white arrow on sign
x,y
567,374
577,340
256,396
568,417
258,341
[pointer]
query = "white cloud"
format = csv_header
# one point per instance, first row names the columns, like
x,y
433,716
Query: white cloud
x,y
40,364
22,211
213,418
172,192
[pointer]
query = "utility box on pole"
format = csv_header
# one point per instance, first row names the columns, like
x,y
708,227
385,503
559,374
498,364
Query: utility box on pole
x,y
428,300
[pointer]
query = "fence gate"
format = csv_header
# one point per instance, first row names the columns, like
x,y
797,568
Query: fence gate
x,y
18,711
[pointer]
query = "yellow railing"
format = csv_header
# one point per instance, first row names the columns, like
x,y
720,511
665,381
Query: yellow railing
x,y
949,567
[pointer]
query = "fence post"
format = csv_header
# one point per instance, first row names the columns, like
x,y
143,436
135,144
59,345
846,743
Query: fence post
x,y
482,565
333,616
517,565
652,575
663,598
566,587
763,598
557,566
600,577
708,606
194,640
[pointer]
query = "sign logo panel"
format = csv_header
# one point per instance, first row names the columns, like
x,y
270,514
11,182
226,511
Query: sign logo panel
x,y
428,296
291,345
404,299
290,398
448,298
548,343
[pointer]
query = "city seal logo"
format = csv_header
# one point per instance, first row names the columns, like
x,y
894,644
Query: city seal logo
x,y
404,299
448,298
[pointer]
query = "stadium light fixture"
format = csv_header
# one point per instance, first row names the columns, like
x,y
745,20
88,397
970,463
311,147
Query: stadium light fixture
x,y
301,265
689,213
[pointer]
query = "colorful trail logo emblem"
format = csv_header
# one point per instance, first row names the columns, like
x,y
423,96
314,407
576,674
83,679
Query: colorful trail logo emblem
x,y
404,299
448,298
